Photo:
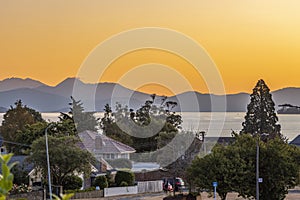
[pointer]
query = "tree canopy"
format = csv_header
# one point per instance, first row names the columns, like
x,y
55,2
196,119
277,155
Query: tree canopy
x,y
66,157
261,117
78,118
233,167
14,123
142,128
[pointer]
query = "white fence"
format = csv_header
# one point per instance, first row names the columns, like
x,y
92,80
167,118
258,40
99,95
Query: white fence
x,y
150,186
142,187
114,191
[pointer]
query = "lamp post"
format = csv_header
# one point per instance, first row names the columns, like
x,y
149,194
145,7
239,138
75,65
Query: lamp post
x,y
257,168
258,180
48,162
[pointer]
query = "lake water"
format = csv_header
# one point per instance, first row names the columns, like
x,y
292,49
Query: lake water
x,y
217,123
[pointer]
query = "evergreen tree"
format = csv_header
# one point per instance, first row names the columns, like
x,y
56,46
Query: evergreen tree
x,y
261,117
14,123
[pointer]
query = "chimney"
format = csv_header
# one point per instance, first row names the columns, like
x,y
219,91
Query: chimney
x,y
98,142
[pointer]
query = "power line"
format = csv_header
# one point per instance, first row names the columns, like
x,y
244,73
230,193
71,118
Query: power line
x,y
11,142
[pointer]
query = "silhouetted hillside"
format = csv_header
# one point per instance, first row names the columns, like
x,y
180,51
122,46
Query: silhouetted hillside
x,y
94,96
16,83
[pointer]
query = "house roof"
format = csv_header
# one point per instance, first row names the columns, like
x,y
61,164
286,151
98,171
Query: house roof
x,y
296,141
21,163
109,145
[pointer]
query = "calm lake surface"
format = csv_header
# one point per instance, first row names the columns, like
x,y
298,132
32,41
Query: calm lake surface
x,y
217,123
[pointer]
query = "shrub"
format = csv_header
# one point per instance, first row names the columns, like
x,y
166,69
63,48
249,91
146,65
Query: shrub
x,y
125,176
72,183
20,175
123,184
110,179
100,181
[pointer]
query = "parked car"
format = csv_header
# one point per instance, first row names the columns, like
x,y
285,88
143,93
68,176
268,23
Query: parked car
x,y
167,187
179,183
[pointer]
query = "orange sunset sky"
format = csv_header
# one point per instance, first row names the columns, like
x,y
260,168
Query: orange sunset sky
x,y
49,40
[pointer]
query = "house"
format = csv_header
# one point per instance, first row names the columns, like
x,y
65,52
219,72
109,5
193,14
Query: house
x,y
23,166
103,147
296,141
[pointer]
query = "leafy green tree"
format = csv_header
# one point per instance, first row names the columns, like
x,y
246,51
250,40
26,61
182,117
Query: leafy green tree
x,y
66,157
80,119
100,181
72,182
279,168
14,123
213,167
121,124
37,130
124,176
110,127
261,116
233,167
30,133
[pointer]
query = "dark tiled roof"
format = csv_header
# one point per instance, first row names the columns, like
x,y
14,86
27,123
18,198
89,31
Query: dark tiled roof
x,y
108,145
296,141
21,163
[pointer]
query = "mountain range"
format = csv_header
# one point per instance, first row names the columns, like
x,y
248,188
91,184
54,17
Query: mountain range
x,y
45,98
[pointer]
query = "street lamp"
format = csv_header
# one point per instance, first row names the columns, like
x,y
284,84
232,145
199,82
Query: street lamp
x,y
257,168
48,162
258,180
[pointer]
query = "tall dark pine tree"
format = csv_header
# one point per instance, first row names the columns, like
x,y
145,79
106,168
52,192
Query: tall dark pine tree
x,y
261,117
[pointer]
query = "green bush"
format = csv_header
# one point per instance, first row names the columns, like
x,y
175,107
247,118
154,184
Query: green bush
x,y
125,176
100,181
110,179
72,183
20,175
123,184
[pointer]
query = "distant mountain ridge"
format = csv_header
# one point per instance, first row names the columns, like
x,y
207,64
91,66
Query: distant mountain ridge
x,y
46,98
16,83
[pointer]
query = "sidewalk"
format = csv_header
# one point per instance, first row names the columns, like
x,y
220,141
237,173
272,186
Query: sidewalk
x,y
293,195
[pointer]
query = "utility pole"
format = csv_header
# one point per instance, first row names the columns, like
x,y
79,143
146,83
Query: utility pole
x,y
48,162
203,141
257,169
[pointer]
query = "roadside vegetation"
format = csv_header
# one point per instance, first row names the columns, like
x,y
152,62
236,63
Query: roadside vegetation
x,y
234,166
